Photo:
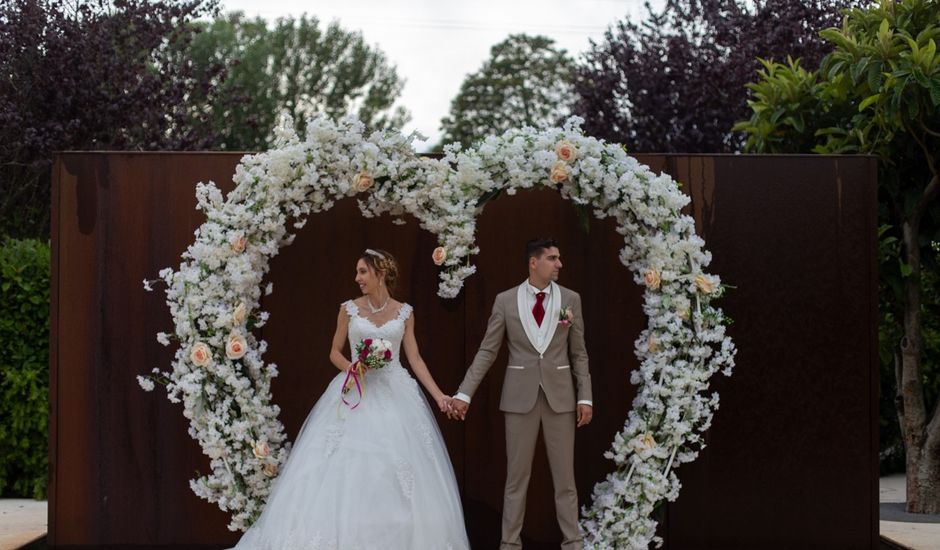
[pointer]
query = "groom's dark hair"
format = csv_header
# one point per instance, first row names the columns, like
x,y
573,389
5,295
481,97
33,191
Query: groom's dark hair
x,y
536,247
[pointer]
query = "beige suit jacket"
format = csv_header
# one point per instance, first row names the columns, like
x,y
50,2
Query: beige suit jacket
x,y
561,369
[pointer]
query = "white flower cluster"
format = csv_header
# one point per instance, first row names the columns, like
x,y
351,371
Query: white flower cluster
x,y
224,385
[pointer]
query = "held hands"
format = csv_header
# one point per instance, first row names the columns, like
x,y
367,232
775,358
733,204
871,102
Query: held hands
x,y
454,408
458,409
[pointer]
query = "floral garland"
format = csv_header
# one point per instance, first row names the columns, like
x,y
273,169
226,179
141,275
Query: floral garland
x,y
224,385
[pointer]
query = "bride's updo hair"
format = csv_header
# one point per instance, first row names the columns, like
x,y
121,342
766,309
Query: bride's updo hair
x,y
383,263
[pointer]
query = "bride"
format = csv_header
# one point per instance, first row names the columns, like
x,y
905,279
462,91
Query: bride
x,y
369,469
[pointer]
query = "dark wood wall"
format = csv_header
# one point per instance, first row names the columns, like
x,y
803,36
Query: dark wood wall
x,y
791,459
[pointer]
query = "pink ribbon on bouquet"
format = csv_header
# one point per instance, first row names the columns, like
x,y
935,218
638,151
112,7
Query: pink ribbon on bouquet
x,y
355,373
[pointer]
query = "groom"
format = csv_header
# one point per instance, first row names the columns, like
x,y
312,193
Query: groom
x,y
547,384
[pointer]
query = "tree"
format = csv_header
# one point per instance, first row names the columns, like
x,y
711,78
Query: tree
x,y
297,66
89,74
878,92
676,82
525,82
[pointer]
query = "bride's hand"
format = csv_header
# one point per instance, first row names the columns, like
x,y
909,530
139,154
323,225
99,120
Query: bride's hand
x,y
362,370
443,403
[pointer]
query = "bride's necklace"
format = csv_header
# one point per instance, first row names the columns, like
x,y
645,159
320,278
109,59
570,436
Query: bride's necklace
x,y
374,309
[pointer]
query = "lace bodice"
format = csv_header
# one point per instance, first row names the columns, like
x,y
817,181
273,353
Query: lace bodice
x,y
392,330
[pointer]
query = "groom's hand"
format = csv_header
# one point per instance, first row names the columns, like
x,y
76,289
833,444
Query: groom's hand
x,y
585,413
458,409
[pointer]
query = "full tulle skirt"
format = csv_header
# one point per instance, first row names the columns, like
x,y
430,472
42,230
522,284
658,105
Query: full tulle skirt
x,y
377,477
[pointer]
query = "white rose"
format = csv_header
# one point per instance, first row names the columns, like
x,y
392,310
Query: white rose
x,y
379,346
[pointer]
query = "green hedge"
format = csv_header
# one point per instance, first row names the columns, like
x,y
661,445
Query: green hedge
x,y
24,367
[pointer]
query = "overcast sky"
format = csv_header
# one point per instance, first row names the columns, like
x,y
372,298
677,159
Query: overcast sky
x,y
435,44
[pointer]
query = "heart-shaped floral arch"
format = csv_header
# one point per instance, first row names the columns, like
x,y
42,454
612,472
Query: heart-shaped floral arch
x,y
224,385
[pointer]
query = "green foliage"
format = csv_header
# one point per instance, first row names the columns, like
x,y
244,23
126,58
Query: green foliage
x,y
24,367
525,82
298,66
877,93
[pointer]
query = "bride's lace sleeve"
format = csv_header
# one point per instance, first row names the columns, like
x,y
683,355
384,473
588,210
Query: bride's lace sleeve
x,y
405,312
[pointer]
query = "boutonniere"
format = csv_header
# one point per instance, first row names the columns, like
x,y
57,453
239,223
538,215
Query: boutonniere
x,y
565,316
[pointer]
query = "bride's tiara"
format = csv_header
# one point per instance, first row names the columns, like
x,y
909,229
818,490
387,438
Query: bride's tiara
x,y
378,255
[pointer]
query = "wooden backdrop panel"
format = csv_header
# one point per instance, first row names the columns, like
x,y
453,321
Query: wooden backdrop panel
x,y
800,412
795,442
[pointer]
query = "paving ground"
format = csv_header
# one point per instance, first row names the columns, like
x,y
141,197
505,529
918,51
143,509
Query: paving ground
x,y
911,531
25,521
21,522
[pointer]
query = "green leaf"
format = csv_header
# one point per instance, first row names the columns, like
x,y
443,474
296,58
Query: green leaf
x,y
875,76
835,69
796,122
935,93
884,32
929,52
868,101
858,69
906,269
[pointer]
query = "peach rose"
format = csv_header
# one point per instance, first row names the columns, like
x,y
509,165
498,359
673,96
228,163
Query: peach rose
x,y
362,181
238,244
270,469
200,354
652,344
643,445
653,278
704,284
559,172
646,440
439,255
566,151
238,316
261,449
236,346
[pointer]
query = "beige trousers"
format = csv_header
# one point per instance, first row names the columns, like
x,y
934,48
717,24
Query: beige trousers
x,y
522,430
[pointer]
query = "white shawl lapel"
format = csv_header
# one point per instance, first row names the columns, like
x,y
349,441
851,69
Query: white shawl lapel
x,y
551,316
525,316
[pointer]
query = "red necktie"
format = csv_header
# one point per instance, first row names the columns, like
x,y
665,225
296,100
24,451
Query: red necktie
x,y
539,310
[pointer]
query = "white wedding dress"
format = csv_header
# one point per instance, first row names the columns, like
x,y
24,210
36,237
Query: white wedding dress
x,y
376,477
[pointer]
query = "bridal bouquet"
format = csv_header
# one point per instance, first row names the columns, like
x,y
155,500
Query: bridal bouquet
x,y
375,354
370,354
